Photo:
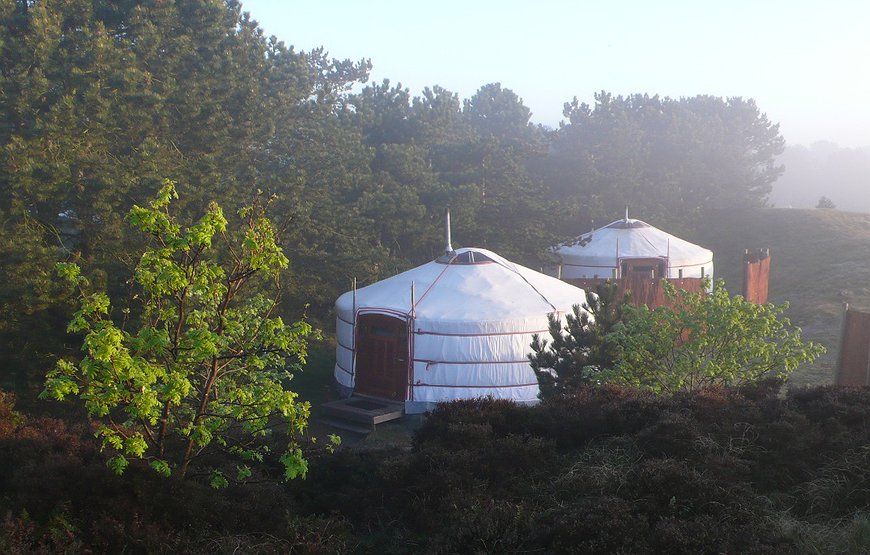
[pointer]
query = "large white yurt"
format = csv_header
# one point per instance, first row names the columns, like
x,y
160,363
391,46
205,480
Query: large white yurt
x,y
458,327
630,245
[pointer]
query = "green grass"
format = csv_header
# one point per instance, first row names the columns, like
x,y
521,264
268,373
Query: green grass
x,y
315,382
820,260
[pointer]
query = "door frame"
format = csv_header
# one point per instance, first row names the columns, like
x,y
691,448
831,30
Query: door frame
x,y
661,263
401,385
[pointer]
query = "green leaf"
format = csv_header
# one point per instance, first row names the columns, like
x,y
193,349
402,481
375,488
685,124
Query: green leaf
x,y
295,465
244,472
118,464
161,467
218,480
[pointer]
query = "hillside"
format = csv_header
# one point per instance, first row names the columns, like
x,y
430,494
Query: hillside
x,y
820,260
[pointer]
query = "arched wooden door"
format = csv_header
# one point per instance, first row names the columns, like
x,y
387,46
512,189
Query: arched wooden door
x,y
382,356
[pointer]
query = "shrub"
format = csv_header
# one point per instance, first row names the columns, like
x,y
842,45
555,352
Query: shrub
x,y
705,339
575,355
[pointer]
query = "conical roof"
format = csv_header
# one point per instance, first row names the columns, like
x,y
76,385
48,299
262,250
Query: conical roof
x,y
469,290
629,238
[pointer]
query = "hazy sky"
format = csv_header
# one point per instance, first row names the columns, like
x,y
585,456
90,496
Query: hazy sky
x,y
806,63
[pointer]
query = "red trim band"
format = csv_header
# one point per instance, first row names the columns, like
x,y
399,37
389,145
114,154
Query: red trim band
x,y
629,258
474,386
340,367
421,332
351,349
387,311
472,361
343,320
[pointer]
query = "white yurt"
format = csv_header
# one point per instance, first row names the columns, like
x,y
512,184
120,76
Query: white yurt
x,y
458,327
630,245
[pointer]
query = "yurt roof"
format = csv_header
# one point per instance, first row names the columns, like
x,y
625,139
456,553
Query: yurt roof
x,y
630,238
468,286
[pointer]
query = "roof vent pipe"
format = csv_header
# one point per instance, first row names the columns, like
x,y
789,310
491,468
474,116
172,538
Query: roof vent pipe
x,y
626,212
449,247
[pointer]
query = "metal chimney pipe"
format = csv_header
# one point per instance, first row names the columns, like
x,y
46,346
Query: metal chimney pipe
x,y
449,248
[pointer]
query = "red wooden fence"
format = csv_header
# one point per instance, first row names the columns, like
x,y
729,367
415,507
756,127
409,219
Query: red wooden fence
x,y
756,275
644,290
853,361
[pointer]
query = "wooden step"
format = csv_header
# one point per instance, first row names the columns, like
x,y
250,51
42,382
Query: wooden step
x,y
346,425
367,410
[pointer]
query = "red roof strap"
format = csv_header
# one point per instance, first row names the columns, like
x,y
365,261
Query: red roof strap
x,y
535,289
423,296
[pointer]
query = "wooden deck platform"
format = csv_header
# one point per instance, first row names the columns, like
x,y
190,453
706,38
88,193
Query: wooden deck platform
x,y
360,413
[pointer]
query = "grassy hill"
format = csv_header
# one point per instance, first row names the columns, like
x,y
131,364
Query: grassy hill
x,y
820,260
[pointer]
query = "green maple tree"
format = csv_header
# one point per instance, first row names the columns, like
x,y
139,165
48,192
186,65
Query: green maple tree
x,y
196,364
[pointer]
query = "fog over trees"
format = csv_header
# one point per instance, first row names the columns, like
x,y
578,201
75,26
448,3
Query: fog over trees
x,y
823,169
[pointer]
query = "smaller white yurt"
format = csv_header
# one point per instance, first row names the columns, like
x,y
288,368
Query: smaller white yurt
x,y
459,327
632,246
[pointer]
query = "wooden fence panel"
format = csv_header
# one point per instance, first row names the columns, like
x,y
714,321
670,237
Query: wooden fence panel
x,y
853,361
756,276
648,291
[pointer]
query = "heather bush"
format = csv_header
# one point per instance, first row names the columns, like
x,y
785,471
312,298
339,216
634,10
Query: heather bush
x,y
605,470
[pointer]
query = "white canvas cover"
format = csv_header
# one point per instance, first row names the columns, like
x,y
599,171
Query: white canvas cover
x,y
472,324
599,252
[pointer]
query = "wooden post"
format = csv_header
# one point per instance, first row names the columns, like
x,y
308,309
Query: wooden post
x,y
746,275
353,284
838,371
867,369
353,339
668,270
618,269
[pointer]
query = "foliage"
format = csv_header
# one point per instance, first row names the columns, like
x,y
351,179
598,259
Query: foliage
x,y
33,305
606,469
672,160
704,339
99,100
579,352
196,364
825,202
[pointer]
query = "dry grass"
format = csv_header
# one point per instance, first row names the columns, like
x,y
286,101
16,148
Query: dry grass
x,y
820,260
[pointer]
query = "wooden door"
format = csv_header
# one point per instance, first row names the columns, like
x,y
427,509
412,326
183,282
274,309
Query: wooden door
x,y
646,268
382,361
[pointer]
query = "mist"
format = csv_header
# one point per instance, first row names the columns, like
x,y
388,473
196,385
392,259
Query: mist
x,y
823,169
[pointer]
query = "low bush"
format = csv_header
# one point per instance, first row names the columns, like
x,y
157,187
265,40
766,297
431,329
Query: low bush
x,y
606,469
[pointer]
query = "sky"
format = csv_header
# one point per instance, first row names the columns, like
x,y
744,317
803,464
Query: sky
x,y
806,63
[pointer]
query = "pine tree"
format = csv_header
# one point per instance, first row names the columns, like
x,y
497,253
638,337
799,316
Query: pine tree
x,y
577,353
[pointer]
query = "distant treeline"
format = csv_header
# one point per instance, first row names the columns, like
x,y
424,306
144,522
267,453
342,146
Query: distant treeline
x,y
823,169
100,101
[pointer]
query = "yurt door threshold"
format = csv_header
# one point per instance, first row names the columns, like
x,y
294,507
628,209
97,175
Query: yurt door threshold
x,y
361,413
